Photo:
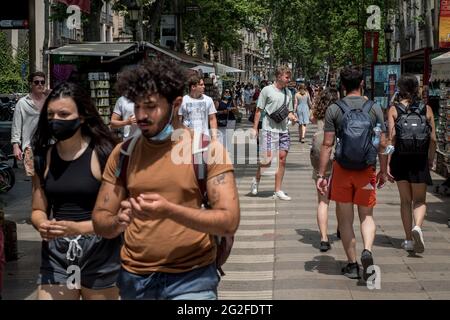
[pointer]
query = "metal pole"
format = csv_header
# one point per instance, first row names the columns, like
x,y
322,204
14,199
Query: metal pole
x,y
362,24
388,51
32,35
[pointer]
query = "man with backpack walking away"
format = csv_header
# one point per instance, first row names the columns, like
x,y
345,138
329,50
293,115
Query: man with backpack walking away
x,y
358,126
156,194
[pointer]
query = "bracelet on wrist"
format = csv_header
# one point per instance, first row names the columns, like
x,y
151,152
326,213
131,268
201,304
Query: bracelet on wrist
x,y
319,176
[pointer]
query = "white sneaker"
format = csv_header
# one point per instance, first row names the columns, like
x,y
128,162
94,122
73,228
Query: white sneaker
x,y
254,187
408,245
282,196
419,244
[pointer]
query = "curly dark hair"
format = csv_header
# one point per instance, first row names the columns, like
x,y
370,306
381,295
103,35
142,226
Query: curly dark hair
x,y
325,99
93,126
161,76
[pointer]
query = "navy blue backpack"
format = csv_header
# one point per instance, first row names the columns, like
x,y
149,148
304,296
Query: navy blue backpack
x,y
354,148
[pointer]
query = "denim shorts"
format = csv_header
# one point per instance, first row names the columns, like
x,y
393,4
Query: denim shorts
x,y
198,284
97,258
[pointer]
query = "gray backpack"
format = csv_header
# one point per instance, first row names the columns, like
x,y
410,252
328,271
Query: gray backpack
x,y
354,148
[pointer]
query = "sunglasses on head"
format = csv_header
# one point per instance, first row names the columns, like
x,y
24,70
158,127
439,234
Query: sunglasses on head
x,y
37,82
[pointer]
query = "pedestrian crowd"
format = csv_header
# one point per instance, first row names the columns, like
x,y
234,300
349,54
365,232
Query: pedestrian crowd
x,y
153,216
354,137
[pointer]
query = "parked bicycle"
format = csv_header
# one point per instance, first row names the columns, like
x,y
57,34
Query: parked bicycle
x,y
7,106
7,176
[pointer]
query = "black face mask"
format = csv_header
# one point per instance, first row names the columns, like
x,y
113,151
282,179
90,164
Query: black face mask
x,y
63,129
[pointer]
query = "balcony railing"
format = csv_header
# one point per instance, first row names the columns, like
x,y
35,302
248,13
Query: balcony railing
x,y
410,30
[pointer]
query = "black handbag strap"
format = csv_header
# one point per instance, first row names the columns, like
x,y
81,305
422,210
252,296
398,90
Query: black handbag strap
x,y
284,103
285,98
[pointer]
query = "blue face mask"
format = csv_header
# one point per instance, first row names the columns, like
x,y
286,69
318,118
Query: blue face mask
x,y
165,133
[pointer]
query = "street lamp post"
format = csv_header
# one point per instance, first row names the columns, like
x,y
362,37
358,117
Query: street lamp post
x,y
134,17
135,12
388,36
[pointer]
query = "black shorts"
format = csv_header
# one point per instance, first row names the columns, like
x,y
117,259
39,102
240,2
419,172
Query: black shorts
x,y
98,260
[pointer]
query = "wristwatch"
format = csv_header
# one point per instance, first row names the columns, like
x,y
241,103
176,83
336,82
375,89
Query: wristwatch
x,y
321,177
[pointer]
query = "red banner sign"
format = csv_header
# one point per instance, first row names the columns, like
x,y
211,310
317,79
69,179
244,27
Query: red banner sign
x,y
372,39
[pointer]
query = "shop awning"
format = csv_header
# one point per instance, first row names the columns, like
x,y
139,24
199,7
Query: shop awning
x,y
224,69
204,68
186,60
441,67
96,49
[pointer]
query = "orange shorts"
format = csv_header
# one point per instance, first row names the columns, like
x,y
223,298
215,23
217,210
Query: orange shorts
x,y
350,186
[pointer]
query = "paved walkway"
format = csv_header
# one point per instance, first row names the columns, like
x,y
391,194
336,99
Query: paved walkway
x,y
276,252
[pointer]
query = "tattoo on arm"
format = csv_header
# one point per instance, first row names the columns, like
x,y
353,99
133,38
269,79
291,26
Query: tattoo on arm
x,y
220,179
214,198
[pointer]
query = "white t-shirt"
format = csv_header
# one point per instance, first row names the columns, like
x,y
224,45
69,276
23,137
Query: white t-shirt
x,y
270,100
196,113
125,109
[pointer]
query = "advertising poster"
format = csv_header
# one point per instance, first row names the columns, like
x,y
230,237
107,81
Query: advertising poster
x,y
385,83
444,24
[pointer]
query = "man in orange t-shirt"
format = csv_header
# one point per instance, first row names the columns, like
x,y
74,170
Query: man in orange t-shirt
x,y
169,250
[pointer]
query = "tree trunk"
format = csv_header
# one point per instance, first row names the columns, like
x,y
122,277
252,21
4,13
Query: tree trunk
x,y
271,49
46,36
154,18
139,26
428,25
91,29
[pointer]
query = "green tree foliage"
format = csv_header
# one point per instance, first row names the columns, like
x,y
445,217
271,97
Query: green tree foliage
x,y
10,67
309,32
218,22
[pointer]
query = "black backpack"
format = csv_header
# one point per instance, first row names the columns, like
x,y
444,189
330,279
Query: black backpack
x,y
354,148
412,130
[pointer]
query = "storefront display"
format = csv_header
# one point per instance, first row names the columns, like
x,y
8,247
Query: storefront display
x,y
100,85
443,132
439,65
211,89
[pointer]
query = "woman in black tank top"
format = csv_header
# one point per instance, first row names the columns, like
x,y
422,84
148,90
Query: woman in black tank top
x,y
75,262
411,171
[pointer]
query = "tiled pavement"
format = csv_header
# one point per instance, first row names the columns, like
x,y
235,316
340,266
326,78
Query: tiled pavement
x,y
276,252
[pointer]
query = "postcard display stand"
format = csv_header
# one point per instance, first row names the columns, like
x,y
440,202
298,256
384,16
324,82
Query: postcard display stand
x,y
100,85
210,89
443,132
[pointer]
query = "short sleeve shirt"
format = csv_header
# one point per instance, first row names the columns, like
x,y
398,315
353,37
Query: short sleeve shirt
x,y
125,109
196,113
163,245
270,100
334,114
